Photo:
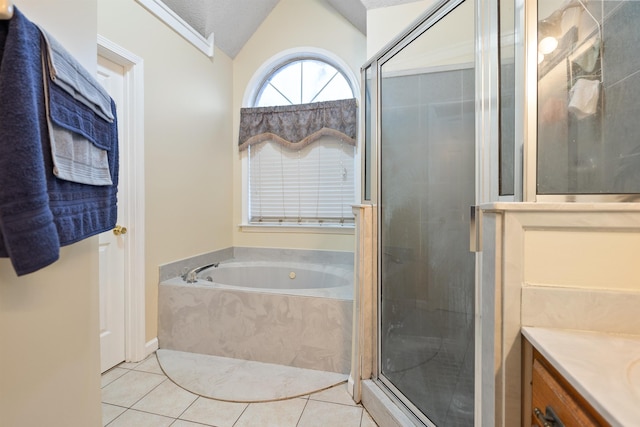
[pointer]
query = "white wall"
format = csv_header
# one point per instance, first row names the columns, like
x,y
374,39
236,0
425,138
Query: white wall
x,y
188,99
49,326
291,24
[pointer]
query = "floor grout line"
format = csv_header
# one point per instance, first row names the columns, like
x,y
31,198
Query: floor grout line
x,y
302,413
241,414
174,419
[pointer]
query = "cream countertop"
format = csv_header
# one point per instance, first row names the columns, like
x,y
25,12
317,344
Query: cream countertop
x,y
603,368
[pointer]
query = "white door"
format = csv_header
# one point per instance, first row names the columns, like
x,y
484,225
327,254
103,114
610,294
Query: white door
x,y
112,243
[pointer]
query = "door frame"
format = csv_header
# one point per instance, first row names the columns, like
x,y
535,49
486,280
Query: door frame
x,y
133,198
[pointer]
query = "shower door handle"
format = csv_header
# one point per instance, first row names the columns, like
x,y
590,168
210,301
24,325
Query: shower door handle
x,y
475,229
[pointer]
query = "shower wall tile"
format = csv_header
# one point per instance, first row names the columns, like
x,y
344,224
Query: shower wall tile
x,y
440,87
621,130
590,164
507,127
400,125
461,408
425,308
587,23
469,84
399,91
313,333
426,351
583,155
611,6
553,127
621,36
426,206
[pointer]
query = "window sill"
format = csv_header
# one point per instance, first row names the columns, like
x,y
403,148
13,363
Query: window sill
x,y
292,228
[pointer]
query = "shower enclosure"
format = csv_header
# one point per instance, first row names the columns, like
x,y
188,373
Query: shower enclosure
x,y
483,103
423,89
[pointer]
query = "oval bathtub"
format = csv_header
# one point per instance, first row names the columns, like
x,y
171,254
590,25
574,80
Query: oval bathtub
x,y
281,277
287,313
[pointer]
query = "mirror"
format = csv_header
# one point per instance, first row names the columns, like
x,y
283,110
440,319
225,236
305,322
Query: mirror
x,y
588,91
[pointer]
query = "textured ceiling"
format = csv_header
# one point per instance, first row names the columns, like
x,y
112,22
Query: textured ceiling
x,y
233,22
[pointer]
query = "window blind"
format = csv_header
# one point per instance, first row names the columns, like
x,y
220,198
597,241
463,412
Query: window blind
x,y
314,184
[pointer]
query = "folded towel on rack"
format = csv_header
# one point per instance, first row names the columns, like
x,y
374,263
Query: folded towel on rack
x,y
80,139
67,73
589,57
39,212
584,97
79,210
76,159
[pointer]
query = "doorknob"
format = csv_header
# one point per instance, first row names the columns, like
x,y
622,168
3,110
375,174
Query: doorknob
x,y
118,230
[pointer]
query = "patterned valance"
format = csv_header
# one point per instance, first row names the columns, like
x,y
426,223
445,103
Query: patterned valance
x,y
296,126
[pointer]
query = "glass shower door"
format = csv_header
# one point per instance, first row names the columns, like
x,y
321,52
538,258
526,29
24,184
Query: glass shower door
x,y
427,183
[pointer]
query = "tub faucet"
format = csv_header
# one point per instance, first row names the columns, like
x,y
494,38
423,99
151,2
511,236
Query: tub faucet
x,y
192,275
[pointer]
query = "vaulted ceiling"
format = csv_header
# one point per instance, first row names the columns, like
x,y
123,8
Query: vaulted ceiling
x,y
233,22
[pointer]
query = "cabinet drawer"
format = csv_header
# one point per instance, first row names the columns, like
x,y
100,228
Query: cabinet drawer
x,y
550,390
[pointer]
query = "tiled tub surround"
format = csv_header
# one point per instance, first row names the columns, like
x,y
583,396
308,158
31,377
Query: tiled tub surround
x,y
311,329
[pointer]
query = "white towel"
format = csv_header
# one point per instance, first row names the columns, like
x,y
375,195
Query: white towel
x,y
584,98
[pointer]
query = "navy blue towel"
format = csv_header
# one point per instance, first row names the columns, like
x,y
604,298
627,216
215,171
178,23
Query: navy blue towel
x,y
39,212
69,113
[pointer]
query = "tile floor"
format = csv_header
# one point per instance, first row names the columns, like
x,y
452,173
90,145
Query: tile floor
x,y
141,395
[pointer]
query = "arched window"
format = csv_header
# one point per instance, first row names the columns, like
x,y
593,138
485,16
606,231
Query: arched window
x,y
303,81
301,148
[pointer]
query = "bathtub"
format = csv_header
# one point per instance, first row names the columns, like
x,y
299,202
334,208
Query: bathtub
x,y
282,278
288,313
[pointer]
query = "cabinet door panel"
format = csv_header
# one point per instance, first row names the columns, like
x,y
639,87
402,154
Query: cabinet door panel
x,y
548,391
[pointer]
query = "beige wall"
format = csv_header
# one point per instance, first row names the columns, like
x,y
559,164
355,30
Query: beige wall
x,y
557,258
567,266
385,24
188,99
49,326
291,24
448,43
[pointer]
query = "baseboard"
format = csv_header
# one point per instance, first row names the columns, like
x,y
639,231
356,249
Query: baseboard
x,y
151,346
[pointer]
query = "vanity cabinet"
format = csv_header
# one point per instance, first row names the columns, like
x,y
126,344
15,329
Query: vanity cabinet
x,y
553,401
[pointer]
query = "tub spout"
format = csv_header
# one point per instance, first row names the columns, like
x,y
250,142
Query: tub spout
x,y
192,275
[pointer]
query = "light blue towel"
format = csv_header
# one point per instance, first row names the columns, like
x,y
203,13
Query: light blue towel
x,y
71,76
77,159
80,139
78,147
